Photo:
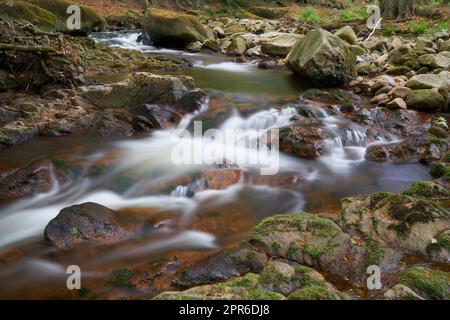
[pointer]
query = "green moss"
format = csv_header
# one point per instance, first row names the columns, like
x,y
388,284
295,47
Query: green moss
x,y
309,15
294,250
28,12
426,189
408,211
314,292
442,242
271,276
264,295
432,283
375,251
438,132
252,255
439,170
74,231
90,20
302,222
121,277
316,251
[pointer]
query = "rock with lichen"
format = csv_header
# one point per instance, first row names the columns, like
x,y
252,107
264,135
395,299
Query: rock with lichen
x,y
410,221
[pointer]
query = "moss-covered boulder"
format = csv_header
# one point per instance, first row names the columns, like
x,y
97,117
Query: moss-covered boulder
x,y
27,12
90,19
403,56
320,243
426,100
410,221
323,58
172,29
277,281
428,283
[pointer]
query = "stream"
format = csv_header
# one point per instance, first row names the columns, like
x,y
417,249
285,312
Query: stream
x,y
141,182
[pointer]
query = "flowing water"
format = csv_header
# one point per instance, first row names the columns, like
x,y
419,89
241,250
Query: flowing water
x,y
139,179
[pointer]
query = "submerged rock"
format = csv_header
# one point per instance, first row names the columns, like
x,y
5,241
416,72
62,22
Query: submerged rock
x,y
304,141
88,223
324,58
173,29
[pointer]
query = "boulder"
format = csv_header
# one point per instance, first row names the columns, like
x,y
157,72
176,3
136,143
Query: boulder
x,y
276,282
323,58
408,221
425,100
280,45
87,223
307,142
320,243
397,103
194,46
429,81
237,46
444,46
90,19
28,12
212,44
401,292
399,92
172,29
234,28
346,33
434,60
145,88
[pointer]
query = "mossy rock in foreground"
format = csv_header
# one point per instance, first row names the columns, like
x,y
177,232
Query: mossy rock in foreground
x,y
277,281
90,19
429,283
27,12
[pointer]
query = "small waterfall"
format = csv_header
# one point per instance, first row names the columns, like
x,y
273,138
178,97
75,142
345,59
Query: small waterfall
x,y
181,191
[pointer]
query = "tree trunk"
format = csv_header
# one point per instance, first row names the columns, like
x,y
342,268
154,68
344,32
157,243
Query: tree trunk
x,y
397,9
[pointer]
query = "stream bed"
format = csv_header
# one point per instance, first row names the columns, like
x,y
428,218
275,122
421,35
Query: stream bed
x,y
141,182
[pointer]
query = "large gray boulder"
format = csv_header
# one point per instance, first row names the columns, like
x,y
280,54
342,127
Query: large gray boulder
x,y
429,81
280,45
323,58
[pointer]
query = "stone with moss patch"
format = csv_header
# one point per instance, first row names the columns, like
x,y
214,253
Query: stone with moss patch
x,y
173,29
